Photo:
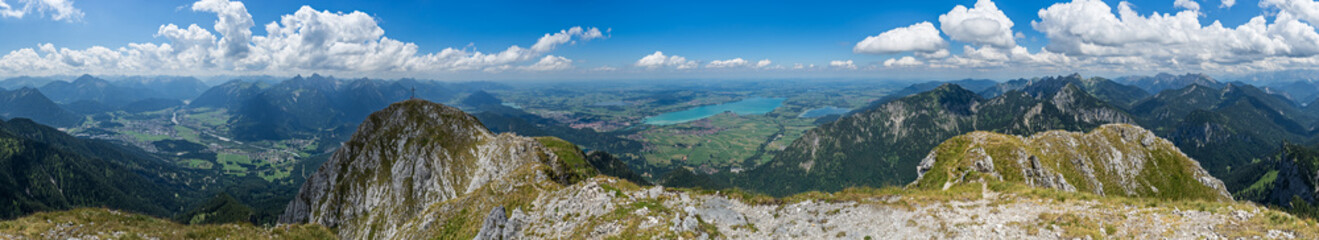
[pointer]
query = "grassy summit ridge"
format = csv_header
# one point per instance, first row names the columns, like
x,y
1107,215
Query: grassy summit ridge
x,y
1112,160
94,223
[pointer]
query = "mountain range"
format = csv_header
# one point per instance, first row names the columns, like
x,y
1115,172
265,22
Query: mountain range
x,y
880,146
32,104
422,170
1164,81
419,169
88,87
317,105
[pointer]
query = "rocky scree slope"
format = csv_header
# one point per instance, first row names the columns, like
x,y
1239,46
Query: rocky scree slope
x,y
608,208
1114,159
409,158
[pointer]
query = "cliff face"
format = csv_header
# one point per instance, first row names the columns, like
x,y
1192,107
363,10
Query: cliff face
x,y
1114,159
406,159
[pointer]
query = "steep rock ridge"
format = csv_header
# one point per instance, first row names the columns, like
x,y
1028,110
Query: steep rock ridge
x,y
1101,88
880,146
1114,159
405,160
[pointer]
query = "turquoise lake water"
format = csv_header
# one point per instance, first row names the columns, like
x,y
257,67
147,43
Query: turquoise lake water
x,y
748,106
820,112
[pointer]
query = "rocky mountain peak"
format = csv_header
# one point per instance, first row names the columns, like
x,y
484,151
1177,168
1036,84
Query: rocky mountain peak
x,y
86,80
85,77
409,156
1074,76
947,87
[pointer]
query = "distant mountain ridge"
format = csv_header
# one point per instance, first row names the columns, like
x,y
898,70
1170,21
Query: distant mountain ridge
x,y
228,95
166,87
15,83
88,87
1224,127
316,104
32,104
880,146
974,85
1164,81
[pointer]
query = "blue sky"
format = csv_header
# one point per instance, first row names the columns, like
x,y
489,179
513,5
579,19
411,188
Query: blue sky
x,y
785,32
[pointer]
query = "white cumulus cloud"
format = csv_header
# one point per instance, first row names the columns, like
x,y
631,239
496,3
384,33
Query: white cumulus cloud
x,y
1091,35
906,61
234,23
550,63
984,24
1227,3
730,63
659,60
842,64
737,63
1089,29
919,37
1187,4
1307,10
304,41
58,10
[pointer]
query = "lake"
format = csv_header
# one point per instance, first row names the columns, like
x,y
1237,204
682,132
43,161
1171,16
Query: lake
x,y
824,111
757,105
